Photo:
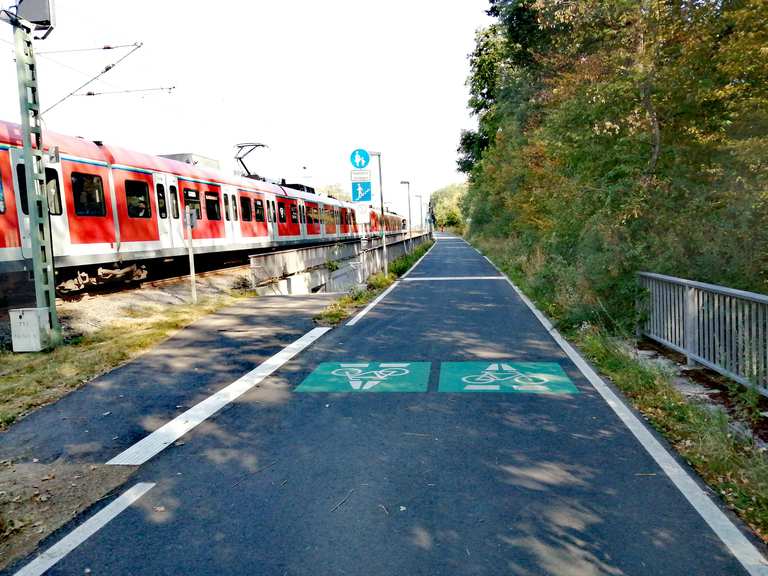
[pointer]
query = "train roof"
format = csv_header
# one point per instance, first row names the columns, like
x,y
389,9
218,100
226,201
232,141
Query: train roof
x,y
74,147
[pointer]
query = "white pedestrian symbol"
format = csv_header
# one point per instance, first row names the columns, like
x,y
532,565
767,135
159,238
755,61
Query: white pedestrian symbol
x,y
360,192
492,377
359,160
360,379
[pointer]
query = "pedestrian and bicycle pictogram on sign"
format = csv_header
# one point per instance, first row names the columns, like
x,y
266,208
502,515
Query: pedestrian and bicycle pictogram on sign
x,y
367,377
530,377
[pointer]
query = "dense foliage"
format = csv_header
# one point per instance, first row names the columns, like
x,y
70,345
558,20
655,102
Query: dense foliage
x,y
446,206
618,135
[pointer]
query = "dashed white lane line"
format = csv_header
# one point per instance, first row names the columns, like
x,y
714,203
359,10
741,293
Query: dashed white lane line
x,y
742,549
359,316
167,434
370,306
87,529
442,278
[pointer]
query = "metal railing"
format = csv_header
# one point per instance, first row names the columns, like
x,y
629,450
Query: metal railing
x,y
718,327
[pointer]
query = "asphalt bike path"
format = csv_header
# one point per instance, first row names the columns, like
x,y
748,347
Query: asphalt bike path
x,y
445,432
115,410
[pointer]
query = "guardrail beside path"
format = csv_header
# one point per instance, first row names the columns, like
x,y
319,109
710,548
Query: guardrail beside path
x,y
718,327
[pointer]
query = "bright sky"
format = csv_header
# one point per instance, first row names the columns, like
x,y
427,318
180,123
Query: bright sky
x,y
312,79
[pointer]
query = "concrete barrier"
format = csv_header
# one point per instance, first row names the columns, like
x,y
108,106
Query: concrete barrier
x,y
308,270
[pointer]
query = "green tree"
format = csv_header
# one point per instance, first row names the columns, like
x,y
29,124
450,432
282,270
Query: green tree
x,y
446,206
615,135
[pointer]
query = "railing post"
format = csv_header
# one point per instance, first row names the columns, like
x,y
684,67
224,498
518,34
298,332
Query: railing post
x,y
691,337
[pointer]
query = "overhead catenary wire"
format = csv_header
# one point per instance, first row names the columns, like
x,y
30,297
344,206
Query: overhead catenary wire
x,y
168,89
62,64
94,49
99,75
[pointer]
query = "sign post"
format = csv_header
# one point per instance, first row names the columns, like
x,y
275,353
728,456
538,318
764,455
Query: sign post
x,y
383,222
190,222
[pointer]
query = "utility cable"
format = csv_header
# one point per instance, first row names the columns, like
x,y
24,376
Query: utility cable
x,y
99,75
105,47
109,92
59,63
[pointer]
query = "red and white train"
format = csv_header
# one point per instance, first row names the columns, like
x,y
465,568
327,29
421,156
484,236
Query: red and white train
x,y
111,207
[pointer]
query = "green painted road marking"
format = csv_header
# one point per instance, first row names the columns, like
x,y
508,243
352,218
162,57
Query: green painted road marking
x,y
367,377
530,377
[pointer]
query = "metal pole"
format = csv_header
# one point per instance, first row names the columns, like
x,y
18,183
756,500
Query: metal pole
x,y
382,224
190,249
410,222
34,169
421,210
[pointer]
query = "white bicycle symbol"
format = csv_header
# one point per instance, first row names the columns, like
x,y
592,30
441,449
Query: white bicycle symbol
x,y
488,380
362,379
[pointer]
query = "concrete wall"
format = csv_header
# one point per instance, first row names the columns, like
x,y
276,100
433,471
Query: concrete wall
x,y
305,270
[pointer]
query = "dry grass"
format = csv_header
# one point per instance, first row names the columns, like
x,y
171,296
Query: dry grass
x,y
28,381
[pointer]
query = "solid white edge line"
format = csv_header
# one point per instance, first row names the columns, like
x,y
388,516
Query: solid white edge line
x,y
87,529
744,551
370,306
412,268
442,278
167,434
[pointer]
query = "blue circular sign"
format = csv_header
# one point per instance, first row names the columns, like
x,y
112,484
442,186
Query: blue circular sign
x,y
360,158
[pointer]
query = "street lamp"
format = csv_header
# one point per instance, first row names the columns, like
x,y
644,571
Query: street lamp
x,y
410,222
421,210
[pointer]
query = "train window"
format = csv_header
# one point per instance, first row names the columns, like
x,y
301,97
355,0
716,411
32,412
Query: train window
x,y
137,199
88,194
294,214
270,210
259,207
212,206
174,193
226,206
281,215
162,207
192,199
245,208
234,207
2,196
51,185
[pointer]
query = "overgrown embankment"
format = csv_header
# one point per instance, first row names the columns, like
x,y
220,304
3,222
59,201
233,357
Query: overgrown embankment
x,y
619,136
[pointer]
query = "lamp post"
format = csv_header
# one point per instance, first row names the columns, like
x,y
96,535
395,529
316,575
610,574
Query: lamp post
x,y
382,224
410,222
421,210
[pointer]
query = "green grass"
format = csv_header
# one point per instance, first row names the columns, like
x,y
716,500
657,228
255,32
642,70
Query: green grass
x,y
728,462
377,283
31,380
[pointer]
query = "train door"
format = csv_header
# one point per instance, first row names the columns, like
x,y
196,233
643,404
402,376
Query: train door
x,y
168,212
229,198
164,216
269,202
55,205
302,218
